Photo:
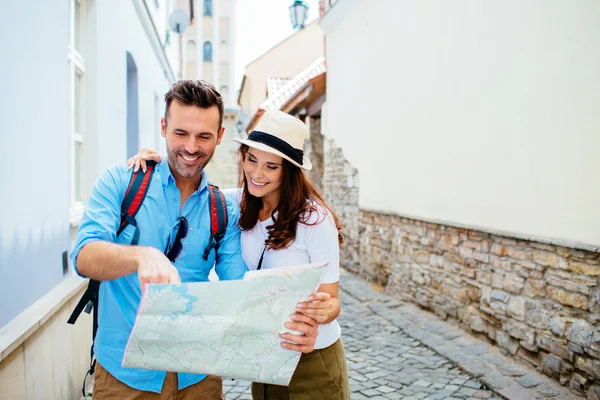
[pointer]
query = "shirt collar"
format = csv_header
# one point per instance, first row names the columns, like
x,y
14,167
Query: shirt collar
x,y
166,176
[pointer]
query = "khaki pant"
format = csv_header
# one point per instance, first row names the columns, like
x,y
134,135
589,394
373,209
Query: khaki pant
x,y
320,375
107,387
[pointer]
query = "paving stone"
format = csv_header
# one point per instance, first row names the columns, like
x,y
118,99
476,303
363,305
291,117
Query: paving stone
x,y
472,384
386,389
422,383
370,392
516,393
393,396
528,381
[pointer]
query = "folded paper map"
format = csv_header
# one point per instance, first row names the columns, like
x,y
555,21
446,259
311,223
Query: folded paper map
x,y
225,328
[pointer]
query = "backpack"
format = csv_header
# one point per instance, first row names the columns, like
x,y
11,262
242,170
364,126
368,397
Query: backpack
x,y
137,189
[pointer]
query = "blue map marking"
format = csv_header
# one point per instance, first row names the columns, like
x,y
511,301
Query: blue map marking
x,y
182,290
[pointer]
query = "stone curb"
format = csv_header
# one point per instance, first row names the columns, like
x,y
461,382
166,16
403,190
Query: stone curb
x,y
476,357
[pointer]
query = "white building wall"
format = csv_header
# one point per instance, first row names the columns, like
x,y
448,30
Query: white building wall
x,y
34,151
113,42
485,114
35,146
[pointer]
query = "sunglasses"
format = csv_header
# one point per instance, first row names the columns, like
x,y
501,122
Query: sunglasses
x,y
176,247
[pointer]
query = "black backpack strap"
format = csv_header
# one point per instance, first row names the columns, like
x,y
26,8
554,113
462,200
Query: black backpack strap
x,y
139,183
218,219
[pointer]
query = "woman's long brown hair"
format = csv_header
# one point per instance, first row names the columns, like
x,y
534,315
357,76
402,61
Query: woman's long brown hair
x,y
298,200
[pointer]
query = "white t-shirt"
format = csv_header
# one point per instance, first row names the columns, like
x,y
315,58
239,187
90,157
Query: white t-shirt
x,y
313,243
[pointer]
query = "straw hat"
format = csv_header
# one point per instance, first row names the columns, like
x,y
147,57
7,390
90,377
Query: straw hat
x,y
280,134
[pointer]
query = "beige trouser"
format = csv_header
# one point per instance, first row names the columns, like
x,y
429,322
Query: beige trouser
x,y
107,387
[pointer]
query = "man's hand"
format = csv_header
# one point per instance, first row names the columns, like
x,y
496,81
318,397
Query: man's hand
x,y
155,267
302,343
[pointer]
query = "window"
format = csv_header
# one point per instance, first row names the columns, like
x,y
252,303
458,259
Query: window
x,y
208,8
76,51
191,51
207,51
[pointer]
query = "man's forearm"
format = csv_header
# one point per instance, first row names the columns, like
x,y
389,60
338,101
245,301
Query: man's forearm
x,y
105,261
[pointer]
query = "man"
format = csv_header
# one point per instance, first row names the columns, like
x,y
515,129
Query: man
x,y
174,217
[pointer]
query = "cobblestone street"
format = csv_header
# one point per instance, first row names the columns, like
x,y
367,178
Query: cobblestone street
x,y
397,351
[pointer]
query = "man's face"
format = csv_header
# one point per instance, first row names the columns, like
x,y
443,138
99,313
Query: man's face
x,y
192,134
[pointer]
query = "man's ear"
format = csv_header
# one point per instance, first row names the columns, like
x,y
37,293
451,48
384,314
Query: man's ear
x,y
220,135
163,127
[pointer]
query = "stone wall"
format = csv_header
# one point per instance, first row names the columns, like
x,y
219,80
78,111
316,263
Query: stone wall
x,y
538,302
340,191
315,153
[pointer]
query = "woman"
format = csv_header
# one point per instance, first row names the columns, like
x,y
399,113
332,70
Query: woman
x,y
284,221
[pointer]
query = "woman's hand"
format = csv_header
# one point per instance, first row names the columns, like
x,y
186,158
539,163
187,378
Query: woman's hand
x,y
139,160
318,306
306,330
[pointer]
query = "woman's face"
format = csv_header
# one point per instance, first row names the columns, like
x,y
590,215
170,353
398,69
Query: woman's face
x,y
264,174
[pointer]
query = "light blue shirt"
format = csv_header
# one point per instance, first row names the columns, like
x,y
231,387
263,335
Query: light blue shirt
x,y
158,223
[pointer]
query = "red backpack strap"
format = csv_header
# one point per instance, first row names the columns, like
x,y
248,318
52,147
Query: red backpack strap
x,y
132,202
134,197
218,219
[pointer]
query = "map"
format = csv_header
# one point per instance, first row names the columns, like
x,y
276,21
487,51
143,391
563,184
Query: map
x,y
225,328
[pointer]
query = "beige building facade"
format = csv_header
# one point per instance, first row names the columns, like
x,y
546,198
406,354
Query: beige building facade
x,y
209,46
278,65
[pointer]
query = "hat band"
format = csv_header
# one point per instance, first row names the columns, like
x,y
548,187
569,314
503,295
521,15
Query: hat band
x,y
278,144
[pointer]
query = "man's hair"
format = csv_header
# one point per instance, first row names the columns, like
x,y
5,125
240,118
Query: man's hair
x,y
197,93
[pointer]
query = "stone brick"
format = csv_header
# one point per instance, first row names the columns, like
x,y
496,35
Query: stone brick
x,y
477,324
580,332
507,343
517,254
498,280
546,258
555,347
584,268
592,367
500,296
567,298
578,383
534,288
519,330
551,365
498,249
516,307
574,348
568,284
472,245
593,392
513,283
482,257
558,326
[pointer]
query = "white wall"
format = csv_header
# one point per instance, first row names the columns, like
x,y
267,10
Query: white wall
x,y
124,34
35,139
34,151
479,113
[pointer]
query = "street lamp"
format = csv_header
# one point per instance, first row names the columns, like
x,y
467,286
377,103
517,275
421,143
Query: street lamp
x,y
298,14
